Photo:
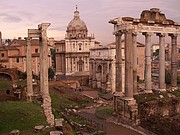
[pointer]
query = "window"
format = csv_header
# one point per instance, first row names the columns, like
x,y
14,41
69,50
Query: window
x,y
2,54
79,47
17,60
36,50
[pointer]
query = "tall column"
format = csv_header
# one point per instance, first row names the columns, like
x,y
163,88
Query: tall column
x,y
134,47
173,61
29,93
44,65
118,62
94,80
41,66
148,62
128,66
162,85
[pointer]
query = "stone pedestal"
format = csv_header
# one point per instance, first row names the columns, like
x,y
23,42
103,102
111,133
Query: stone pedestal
x,y
15,132
127,109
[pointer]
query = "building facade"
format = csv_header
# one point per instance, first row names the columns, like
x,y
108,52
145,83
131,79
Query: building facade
x,y
72,54
14,55
103,66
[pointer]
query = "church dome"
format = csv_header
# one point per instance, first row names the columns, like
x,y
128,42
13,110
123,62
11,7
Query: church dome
x,y
77,27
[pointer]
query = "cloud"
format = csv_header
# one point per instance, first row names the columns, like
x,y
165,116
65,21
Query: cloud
x,y
62,28
10,18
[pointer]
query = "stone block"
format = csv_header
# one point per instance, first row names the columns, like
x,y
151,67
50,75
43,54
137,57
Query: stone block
x,y
56,133
39,128
58,124
15,132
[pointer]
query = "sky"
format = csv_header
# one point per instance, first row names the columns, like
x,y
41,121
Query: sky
x,y
17,16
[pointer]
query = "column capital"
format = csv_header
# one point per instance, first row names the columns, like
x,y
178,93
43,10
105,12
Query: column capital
x,y
161,34
148,34
27,38
118,33
134,33
173,34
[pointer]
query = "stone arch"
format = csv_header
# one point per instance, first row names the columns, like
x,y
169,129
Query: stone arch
x,y
6,76
8,73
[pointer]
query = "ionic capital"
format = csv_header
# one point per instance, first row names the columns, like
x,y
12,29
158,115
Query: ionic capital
x,y
118,33
147,34
134,33
173,35
27,38
161,34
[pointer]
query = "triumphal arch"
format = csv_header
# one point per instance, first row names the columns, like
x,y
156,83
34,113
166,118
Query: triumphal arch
x,y
151,22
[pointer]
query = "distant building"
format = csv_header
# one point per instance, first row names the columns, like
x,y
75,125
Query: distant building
x,y
14,55
72,54
103,66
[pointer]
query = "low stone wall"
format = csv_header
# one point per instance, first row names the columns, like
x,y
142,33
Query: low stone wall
x,y
159,108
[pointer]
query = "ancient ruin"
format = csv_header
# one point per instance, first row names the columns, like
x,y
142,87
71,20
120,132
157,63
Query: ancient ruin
x,y
150,22
41,33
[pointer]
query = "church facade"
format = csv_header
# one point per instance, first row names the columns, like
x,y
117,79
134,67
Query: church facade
x,y
72,54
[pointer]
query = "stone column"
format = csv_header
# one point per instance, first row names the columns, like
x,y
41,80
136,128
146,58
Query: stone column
x,y
128,66
118,63
173,61
148,62
44,68
41,66
162,85
90,73
134,47
29,93
94,80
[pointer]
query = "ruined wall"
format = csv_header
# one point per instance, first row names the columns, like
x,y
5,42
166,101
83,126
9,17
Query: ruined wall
x,y
159,108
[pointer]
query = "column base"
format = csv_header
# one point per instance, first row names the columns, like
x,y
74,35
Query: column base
x,y
162,90
148,91
29,97
174,88
127,108
118,94
128,98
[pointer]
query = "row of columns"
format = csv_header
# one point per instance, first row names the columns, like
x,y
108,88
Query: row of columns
x,y
131,62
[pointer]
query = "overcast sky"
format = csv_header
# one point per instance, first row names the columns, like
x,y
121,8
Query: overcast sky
x,y
17,16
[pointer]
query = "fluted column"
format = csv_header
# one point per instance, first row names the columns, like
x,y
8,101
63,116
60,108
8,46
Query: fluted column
x,y
134,47
128,66
173,61
29,69
162,85
118,62
148,62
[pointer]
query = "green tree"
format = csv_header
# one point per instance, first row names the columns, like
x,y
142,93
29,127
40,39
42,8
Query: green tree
x,y
51,73
53,56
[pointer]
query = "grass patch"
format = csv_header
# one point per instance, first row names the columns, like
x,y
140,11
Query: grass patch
x,y
103,113
5,84
77,120
176,93
61,101
20,115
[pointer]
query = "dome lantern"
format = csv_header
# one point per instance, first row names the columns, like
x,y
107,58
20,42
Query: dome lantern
x,y
77,27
